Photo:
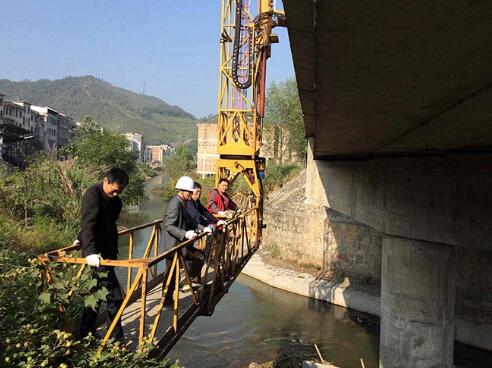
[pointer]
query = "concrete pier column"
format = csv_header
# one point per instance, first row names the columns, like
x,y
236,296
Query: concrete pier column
x,y
417,304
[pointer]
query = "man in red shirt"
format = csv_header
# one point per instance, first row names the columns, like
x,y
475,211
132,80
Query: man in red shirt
x,y
218,199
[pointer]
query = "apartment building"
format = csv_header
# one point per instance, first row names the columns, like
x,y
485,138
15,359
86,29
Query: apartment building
x,y
207,156
66,130
2,98
46,130
156,154
136,144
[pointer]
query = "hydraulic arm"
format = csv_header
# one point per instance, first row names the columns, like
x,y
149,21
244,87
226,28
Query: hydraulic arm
x,y
245,45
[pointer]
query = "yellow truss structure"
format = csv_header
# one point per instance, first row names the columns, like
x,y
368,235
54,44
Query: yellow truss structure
x,y
240,108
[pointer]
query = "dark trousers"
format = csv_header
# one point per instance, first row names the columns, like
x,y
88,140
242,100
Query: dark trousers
x,y
114,300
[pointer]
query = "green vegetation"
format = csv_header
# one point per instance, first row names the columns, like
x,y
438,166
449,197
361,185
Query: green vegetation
x,y
38,320
39,211
183,163
114,108
284,107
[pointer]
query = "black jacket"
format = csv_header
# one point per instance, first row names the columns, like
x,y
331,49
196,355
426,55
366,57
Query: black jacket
x,y
199,213
98,216
176,222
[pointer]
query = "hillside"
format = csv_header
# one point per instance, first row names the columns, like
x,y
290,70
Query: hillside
x,y
114,108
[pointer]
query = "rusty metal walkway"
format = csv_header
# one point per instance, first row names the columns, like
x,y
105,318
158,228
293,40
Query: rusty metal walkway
x,y
143,313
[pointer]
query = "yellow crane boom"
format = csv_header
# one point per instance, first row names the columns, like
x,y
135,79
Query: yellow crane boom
x,y
244,49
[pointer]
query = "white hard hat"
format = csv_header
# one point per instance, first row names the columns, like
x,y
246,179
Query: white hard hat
x,y
185,183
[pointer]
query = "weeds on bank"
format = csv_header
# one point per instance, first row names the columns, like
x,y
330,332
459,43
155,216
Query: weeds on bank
x,y
39,321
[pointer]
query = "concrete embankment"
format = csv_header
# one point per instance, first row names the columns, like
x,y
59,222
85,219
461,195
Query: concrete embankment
x,y
343,295
307,285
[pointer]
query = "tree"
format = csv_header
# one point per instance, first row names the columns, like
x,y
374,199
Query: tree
x,y
105,150
283,107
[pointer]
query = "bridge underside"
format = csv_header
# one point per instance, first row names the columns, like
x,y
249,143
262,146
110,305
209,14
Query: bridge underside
x,y
393,77
396,101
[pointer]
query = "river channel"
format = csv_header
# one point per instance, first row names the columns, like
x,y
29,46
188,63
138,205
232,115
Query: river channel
x,y
256,323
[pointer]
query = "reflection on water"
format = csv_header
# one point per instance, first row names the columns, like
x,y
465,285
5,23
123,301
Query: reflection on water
x,y
256,322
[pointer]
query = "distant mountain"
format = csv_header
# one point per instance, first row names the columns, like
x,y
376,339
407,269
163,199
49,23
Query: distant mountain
x,y
114,108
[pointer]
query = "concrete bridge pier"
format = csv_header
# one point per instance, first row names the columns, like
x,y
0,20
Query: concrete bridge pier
x,y
417,304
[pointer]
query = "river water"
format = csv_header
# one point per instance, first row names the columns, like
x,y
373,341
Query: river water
x,y
256,323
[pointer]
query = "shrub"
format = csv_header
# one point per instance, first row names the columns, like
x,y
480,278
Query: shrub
x,y
38,320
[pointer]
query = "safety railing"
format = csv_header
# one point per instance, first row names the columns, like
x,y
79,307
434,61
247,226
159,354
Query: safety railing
x,y
149,277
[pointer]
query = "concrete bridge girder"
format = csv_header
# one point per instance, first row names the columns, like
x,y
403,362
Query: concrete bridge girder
x,y
438,199
387,77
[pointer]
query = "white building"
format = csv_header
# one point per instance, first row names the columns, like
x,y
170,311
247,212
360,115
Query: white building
x,y
47,129
136,145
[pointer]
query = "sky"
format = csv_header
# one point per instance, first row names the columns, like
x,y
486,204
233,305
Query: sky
x,y
170,45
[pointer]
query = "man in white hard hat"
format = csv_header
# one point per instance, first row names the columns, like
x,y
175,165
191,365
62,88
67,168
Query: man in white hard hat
x,y
178,226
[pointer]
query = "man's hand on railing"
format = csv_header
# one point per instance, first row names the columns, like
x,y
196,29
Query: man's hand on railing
x,y
221,223
93,260
76,243
208,229
190,234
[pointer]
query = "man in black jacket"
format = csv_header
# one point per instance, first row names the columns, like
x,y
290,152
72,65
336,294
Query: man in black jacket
x,y
100,209
197,211
178,226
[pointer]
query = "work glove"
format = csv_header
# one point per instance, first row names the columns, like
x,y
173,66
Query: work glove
x,y
238,212
221,223
208,230
190,234
76,242
222,213
93,260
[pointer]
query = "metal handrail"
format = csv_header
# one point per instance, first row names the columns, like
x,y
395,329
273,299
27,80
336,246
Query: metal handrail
x,y
229,252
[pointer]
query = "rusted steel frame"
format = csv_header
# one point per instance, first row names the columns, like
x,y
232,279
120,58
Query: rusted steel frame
x,y
148,248
211,295
154,260
156,244
176,299
122,308
233,254
77,276
139,227
103,262
170,337
204,280
188,278
143,303
130,256
185,243
62,251
243,238
165,288
149,244
222,264
246,236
